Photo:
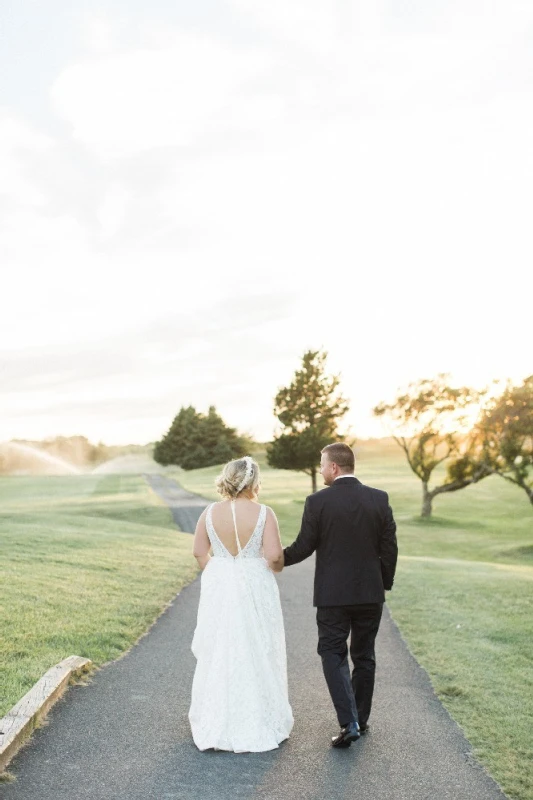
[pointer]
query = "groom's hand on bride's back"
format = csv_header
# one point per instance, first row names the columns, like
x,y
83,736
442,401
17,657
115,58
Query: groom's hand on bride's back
x,y
272,548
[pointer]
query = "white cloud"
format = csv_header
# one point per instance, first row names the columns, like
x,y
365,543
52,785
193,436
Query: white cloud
x,y
112,211
306,24
19,143
367,175
98,34
149,97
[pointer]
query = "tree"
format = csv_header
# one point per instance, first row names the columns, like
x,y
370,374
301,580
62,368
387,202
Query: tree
x,y
505,432
308,410
427,421
198,440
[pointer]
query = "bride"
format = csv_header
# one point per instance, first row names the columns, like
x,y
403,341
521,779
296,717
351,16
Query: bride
x,y
239,693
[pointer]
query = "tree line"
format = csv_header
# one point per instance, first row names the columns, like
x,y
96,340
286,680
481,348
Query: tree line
x,y
451,437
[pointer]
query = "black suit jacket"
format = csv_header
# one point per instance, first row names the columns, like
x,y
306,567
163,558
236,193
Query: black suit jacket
x,y
352,529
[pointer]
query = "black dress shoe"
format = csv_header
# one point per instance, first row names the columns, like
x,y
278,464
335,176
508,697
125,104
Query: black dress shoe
x,y
363,727
347,735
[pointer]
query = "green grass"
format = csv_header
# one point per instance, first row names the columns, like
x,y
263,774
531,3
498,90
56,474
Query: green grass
x,y
88,563
471,566
469,625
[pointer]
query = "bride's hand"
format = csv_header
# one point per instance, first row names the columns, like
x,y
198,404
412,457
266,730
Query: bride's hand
x,y
271,565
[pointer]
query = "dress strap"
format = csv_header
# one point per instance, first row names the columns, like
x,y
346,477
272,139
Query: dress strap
x,y
211,532
209,515
235,525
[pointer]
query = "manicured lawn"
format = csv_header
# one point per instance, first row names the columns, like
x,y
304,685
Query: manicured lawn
x,y
469,624
463,597
88,563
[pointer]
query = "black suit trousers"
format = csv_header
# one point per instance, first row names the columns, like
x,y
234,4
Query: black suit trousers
x,y
351,695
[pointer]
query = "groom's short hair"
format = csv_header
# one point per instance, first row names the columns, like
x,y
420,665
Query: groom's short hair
x,y
342,454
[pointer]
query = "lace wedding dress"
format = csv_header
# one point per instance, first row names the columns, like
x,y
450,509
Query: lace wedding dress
x,y
239,693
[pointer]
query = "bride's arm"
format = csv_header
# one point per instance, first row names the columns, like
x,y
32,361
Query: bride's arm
x,y
272,547
201,544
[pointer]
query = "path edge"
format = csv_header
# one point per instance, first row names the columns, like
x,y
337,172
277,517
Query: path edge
x,y
19,723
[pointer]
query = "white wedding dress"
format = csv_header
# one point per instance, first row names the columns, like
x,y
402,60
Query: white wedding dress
x,y
239,694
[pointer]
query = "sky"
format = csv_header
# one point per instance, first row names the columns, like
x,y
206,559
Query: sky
x,y
193,195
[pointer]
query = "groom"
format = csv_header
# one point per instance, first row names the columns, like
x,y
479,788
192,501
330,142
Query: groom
x,y
352,529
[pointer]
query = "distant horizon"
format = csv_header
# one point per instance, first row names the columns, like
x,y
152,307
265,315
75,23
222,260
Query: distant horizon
x,y
371,428
48,439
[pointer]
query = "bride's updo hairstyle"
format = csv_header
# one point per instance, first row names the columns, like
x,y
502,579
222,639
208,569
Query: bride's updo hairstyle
x,y
241,475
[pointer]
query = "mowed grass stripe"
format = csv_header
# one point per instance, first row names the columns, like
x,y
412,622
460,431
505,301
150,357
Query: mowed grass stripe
x,y
521,569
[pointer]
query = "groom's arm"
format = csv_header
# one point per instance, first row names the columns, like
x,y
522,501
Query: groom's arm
x,y
388,547
307,540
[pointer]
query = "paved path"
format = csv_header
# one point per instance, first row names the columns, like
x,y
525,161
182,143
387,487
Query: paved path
x,y
186,507
126,735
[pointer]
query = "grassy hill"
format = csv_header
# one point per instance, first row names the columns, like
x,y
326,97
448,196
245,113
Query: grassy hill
x,y
90,561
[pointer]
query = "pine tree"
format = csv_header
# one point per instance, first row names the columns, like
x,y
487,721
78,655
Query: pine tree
x,y
308,410
198,440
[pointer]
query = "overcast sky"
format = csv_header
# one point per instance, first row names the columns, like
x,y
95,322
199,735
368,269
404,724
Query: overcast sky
x,y
192,194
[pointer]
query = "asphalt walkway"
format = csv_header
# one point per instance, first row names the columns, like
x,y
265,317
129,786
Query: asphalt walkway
x,y
185,506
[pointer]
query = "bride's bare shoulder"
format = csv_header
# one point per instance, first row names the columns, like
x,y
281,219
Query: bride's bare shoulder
x,y
270,514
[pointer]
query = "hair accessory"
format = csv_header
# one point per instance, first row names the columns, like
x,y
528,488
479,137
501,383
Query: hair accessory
x,y
248,473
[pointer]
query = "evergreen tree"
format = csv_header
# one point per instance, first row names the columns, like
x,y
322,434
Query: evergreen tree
x,y
309,410
198,440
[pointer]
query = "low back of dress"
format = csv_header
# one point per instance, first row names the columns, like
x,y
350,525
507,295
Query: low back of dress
x,y
252,548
